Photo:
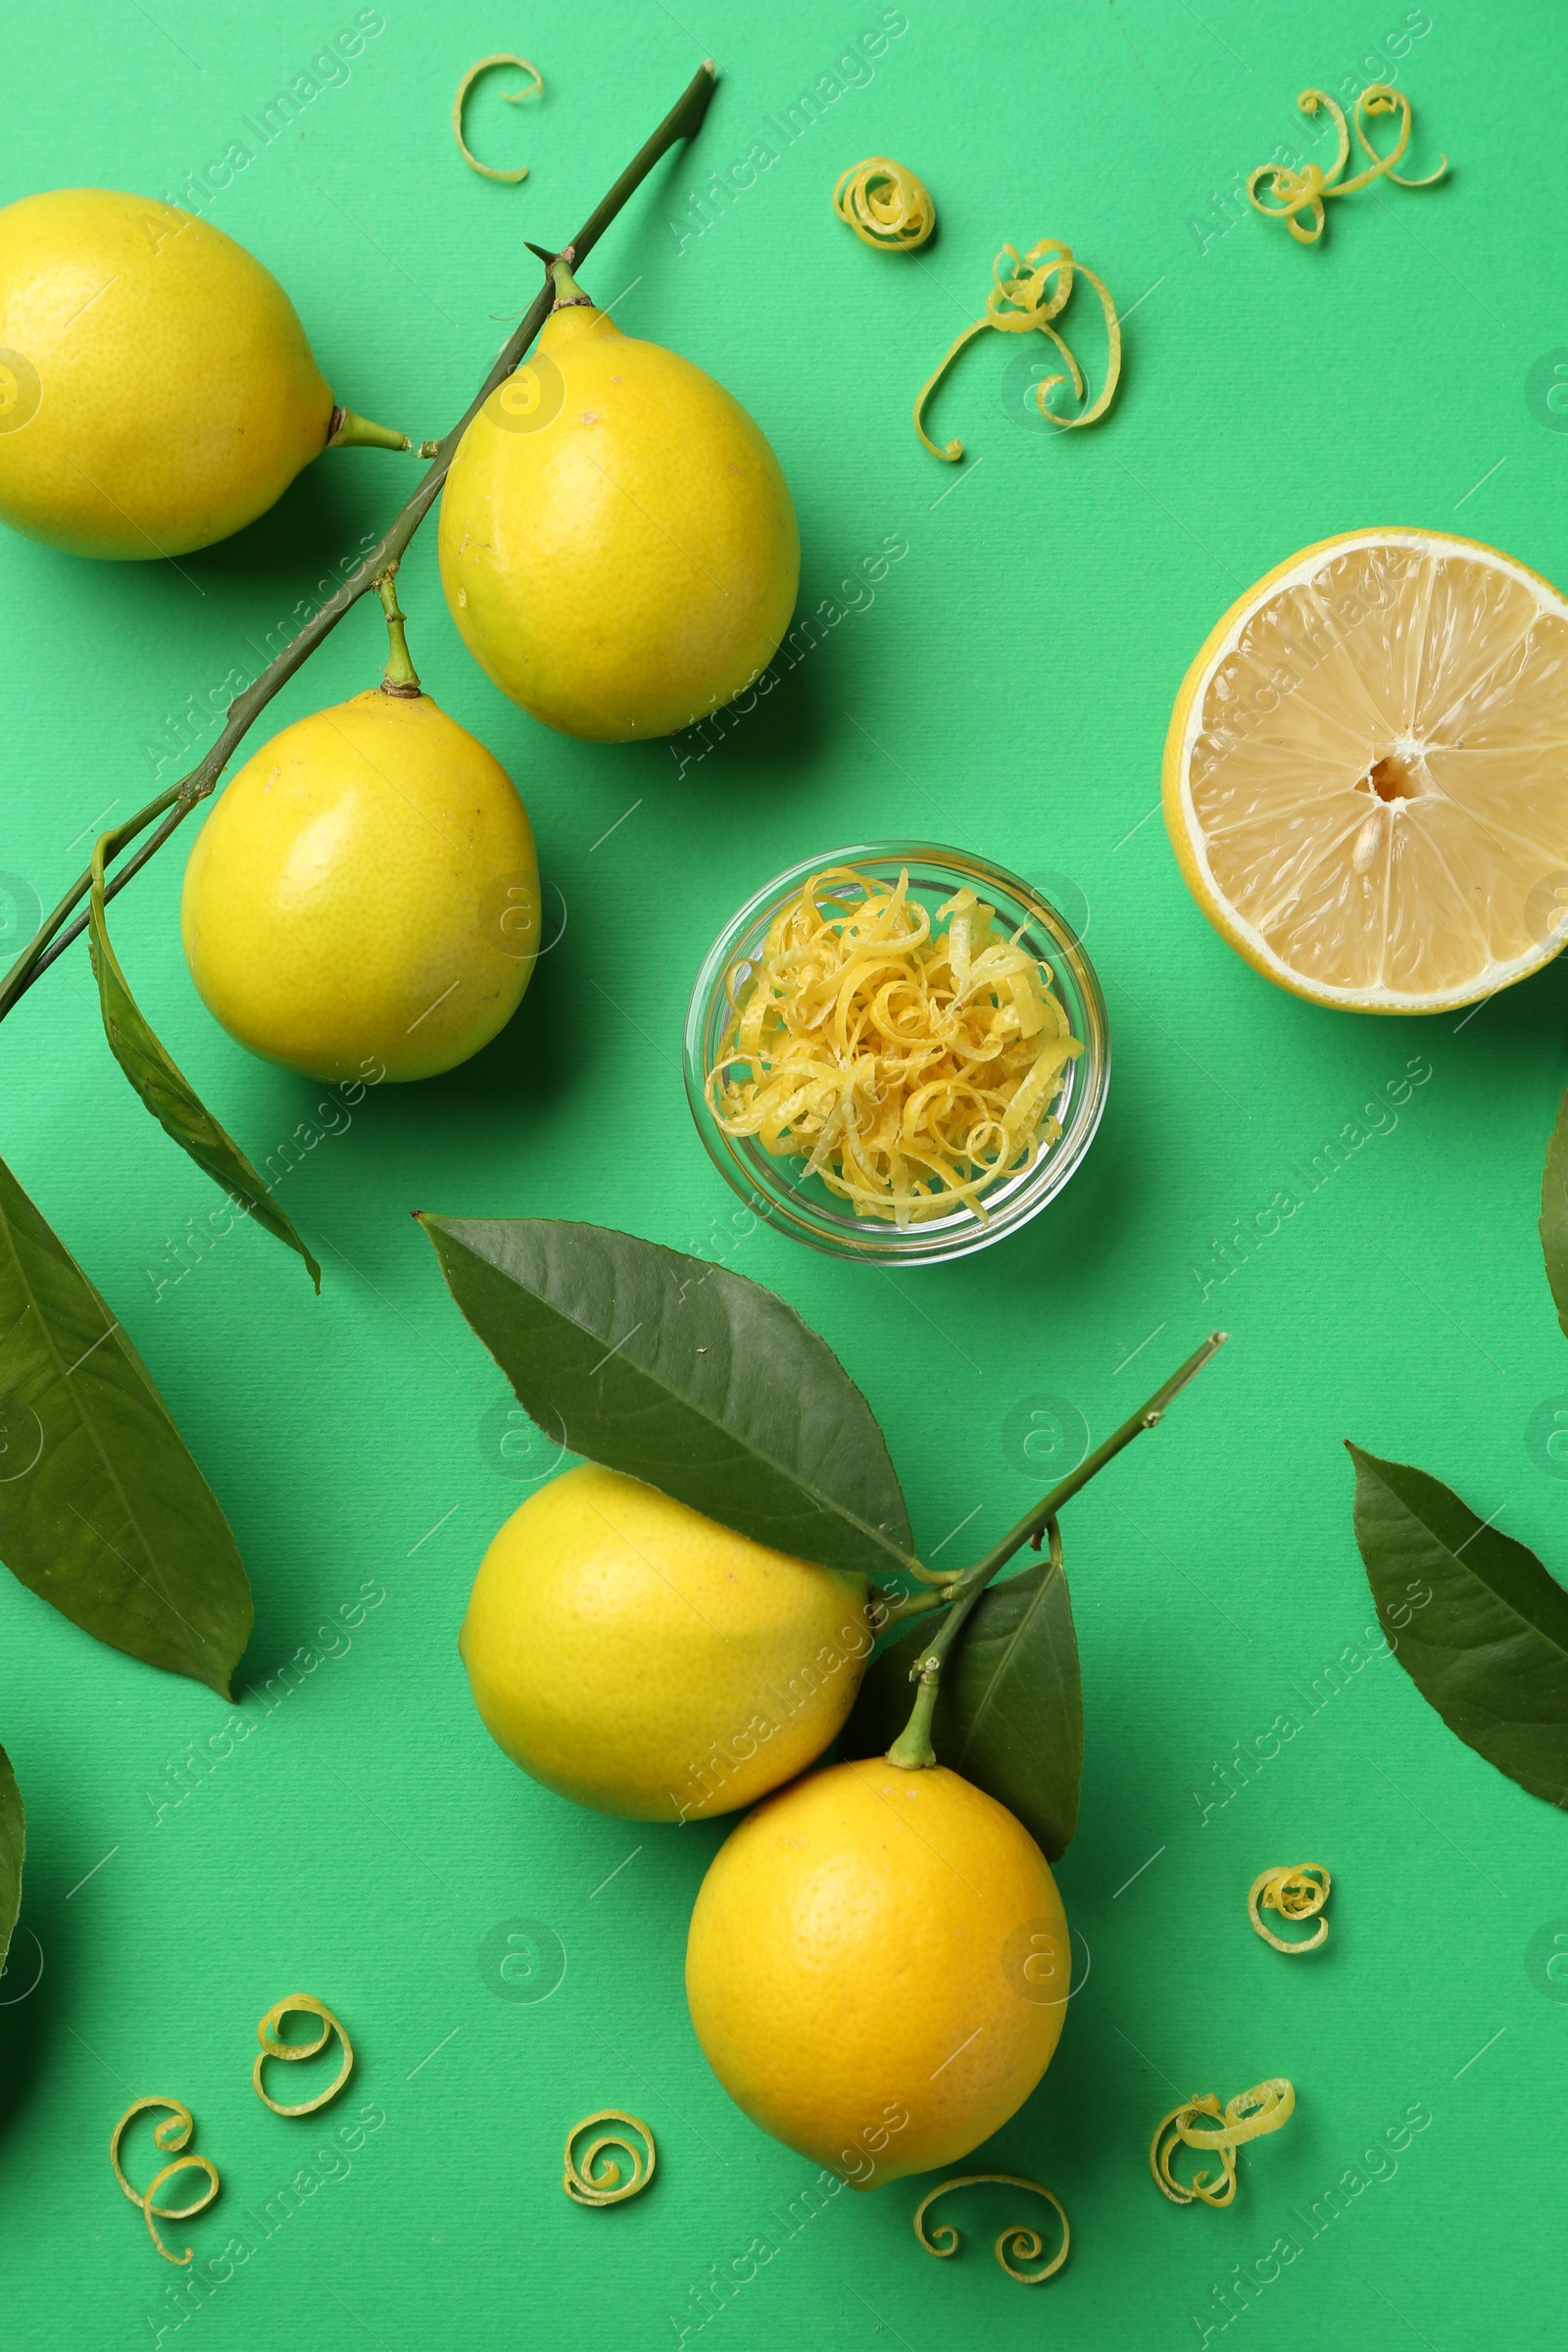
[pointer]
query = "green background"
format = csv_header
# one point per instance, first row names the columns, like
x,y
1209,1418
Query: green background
x,y
1008,687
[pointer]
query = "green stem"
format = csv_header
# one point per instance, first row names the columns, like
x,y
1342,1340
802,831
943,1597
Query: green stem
x,y
905,1605
912,1749
400,676
59,930
345,430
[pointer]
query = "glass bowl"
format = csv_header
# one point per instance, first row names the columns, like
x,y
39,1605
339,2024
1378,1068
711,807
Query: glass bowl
x,y
806,1210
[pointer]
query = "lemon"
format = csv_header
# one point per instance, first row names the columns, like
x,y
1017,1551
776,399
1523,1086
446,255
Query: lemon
x,y
156,387
878,1968
1366,772
641,1660
365,893
617,543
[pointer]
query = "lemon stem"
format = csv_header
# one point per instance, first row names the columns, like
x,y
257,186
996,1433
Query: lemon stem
x,y
400,675
65,923
913,1750
348,431
567,291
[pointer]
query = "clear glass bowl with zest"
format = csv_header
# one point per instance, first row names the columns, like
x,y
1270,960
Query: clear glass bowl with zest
x,y
779,1189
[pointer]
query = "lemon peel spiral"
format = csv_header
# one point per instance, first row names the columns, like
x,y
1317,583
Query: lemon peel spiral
x,y
303,2004
885,205
1303,191
913,1069
1298,1893
1023,2244
1027,291
535,89
1248,2116
174,2132
594,2178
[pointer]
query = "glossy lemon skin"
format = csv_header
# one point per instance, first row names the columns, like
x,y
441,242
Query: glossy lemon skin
x,y
638,1658
877,1968
365,893
157,391
617,543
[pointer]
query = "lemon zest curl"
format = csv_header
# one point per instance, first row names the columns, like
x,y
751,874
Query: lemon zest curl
x,y
1296,193
535,89
1028,290
885,205
1018,2239
595,2178
1248,2116
1298,1893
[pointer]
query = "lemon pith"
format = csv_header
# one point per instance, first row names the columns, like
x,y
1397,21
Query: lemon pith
x,y
364,897
617,544
878,1968
637,1657
1366,772
157,390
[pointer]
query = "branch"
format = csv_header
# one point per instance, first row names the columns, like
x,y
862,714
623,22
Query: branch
x,y
175,804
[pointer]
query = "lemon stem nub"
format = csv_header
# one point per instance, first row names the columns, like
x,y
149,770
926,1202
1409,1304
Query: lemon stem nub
x,y
348,431
567,290
911,1750
400,675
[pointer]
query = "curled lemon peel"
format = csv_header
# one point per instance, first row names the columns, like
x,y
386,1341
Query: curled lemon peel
x,y
1298,1893
303,2004
173,2133
1028,290
1248,2116
156,2213
535,89
594,2179
911,1069
885,205
1303,191
1018,2239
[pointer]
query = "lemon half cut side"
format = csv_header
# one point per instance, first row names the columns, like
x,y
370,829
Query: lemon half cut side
x,y
1366,772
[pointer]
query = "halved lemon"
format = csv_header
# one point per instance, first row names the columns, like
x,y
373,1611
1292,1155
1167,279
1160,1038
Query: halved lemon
x,y
1366,773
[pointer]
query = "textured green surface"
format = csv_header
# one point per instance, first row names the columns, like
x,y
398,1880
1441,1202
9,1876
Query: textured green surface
x,y
1007,687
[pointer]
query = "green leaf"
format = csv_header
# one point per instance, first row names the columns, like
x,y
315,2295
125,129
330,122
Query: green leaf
x,y
12,1845
1009,1711
1554,1212
683,1375
1488,1650
167,1093
102,1510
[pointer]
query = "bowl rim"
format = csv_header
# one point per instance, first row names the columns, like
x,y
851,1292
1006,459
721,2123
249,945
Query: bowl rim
x,y
1021,1196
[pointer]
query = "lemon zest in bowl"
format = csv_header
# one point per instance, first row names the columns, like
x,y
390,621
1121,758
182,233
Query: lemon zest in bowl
x,y
885,205
913,1069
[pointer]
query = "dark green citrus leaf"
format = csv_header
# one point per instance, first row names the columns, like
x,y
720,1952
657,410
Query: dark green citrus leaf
x,y
12,1845
684,1375
102,1510
1554,1212
1474,1619
168,1094
1010,1710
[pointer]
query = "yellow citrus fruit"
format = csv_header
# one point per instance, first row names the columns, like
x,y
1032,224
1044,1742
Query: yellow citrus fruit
x,y
617,543
365,891
156,387
878,1968
640,1659
1366,773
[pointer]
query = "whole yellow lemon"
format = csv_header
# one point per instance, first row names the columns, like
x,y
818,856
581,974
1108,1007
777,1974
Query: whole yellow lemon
x,y
642,1660
878,1968
617,543
365,891
157,391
